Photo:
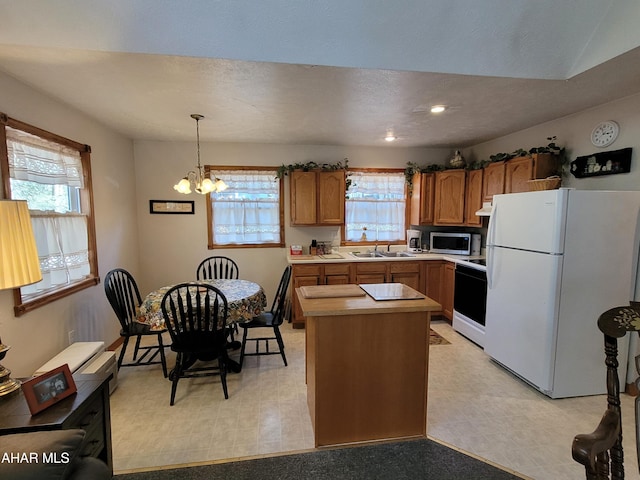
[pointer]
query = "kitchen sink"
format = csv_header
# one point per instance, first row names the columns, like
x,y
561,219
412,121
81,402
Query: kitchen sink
x,y
366,254
381,254
396,254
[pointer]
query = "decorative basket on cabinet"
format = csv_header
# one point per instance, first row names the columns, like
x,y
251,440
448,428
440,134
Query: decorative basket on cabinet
x,y
549,183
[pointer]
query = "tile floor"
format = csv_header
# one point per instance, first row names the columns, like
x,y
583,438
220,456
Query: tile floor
x,y
473,404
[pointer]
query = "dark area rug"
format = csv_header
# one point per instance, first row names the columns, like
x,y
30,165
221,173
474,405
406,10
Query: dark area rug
x,y
410,460
436,339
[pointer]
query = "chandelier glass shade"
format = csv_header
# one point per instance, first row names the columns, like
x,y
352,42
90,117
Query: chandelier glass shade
x,y
201,183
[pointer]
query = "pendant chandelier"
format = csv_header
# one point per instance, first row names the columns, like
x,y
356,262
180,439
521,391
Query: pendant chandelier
x,y
201,184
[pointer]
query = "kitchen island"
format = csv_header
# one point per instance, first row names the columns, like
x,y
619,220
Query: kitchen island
x,y
366,363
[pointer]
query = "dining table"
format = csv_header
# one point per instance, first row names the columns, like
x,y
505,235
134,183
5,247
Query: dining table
x,y
245,299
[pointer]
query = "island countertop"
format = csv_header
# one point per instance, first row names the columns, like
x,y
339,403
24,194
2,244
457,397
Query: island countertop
x,y
362,304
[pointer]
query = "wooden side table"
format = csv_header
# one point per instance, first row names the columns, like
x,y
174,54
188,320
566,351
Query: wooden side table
x,y
87,409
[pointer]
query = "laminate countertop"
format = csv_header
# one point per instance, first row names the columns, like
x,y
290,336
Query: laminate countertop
x,y
364,304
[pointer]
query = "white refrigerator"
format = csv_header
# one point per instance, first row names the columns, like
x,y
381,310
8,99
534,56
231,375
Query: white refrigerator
x,y
556,260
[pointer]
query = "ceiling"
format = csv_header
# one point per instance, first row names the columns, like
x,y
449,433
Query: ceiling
x,y
335,72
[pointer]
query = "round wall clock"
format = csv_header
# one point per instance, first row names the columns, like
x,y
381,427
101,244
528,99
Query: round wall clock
x,y
605,133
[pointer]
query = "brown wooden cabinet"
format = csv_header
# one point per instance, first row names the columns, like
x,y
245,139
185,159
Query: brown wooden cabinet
x,y
371,272
315,274
448,284
87,409
302,276
377,271
407,273
449,197
518,171
433,279
317,197
493,180
336,274
473,198
423,198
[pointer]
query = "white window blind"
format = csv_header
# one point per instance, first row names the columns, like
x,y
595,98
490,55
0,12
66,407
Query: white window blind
x,y
248,211
377,202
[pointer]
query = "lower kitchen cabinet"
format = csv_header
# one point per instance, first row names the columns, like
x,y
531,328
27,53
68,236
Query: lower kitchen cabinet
x,y
371,272
315,274
407,273
433,278
448,276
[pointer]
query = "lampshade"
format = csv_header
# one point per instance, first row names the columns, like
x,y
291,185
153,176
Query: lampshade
x,y
19,263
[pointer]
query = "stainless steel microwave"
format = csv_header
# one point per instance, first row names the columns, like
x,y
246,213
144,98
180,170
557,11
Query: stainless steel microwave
x,y
450,243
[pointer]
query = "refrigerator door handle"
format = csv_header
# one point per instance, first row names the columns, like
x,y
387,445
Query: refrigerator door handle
x,y
490,245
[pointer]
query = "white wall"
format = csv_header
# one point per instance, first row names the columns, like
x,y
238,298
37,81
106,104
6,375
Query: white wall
x,y
38,335
171,246
574,133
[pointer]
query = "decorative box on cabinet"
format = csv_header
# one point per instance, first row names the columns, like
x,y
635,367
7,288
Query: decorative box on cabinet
x,y
423,198
473,198
317,197
449,197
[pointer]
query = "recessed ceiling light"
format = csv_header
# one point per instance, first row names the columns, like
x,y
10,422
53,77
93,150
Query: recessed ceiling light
x,y
390,138
438,108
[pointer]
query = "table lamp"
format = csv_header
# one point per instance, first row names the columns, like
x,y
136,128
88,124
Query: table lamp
x,y
19,265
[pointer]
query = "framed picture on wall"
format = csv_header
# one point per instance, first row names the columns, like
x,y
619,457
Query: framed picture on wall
x,y
44,390
184,207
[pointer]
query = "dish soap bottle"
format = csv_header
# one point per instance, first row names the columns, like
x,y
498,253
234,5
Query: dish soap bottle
x,y
363,237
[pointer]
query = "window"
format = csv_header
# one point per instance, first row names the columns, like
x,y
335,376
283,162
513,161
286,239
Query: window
x,y
249,212
376,201
53,174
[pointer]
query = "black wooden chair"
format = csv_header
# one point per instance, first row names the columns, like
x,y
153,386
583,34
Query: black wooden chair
x,y
217,267
220,267
601,451
123,295
269,320
196,317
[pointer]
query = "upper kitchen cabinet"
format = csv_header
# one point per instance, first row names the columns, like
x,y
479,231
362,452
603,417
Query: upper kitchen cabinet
x,y
473,198
493,180
518,171
449,197
317,197
423,198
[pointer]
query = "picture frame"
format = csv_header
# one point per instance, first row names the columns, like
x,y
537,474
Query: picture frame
x,y
44,390
172,207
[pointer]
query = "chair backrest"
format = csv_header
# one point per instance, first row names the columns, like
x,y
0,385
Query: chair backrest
x,y
123,295
601,451
217,267
278,307
196,316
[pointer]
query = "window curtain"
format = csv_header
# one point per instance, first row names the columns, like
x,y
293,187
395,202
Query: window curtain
x,y
61,238
376,201
63,250
36,159
248,211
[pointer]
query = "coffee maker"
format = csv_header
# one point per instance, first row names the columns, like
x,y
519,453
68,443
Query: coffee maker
x,y
413,241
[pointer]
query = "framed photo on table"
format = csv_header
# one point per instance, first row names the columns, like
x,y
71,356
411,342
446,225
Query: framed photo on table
x,y
44,390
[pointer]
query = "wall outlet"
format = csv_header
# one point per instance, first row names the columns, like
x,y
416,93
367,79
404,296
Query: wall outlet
x,y
72,336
